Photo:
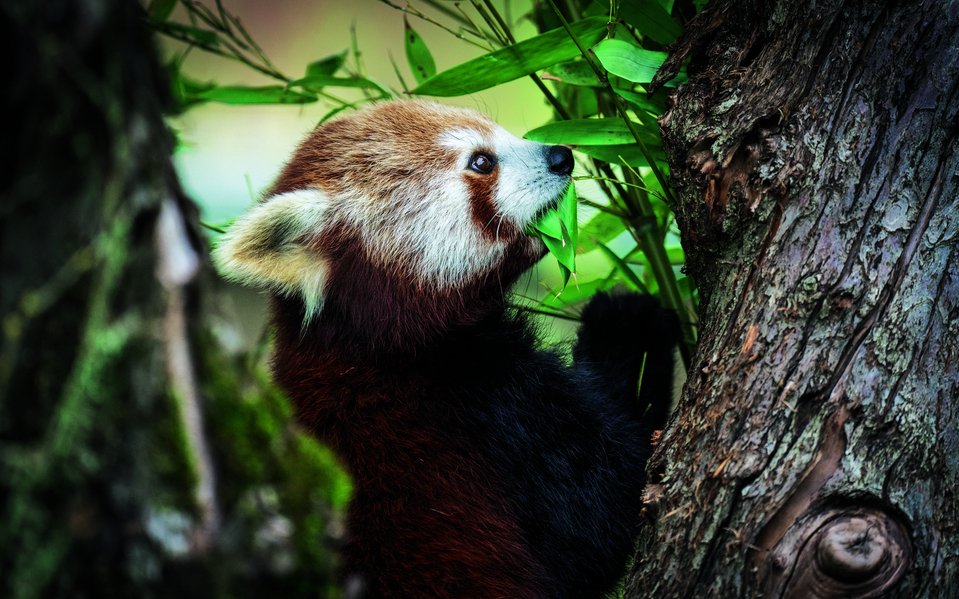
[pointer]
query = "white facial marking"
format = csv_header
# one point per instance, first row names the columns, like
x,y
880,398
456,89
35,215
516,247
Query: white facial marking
x,y
526,184
432,234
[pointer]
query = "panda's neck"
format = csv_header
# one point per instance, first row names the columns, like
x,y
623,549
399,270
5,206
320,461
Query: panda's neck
x,y
359,337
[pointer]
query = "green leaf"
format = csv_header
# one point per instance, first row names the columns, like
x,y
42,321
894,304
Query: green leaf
x,y
326,66
269,94
593,132
577,293
559,232
576,72
185,89
513,62
316,83
417,54
159,10
630,154
640,101
624,270
651,20
628,61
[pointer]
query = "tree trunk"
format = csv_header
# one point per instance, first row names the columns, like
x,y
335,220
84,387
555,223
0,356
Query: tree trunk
x,y
815,452
137,458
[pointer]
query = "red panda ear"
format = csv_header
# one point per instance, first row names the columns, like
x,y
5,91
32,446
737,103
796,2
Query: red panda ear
x,y
272,246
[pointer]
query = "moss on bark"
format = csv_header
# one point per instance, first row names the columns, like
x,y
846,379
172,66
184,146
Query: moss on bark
x,y
136,457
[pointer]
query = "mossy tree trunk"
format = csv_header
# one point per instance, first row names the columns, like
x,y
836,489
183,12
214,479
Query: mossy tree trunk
x,y
137,458
816,451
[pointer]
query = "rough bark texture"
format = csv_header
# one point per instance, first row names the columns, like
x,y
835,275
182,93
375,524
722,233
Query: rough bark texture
x,y
136,457
815,452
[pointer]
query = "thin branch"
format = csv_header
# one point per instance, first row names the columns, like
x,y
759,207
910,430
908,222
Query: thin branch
x,y
419,15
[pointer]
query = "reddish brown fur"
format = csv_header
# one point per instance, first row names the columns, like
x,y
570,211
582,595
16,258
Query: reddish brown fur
x,y
482,188
395,138
449,533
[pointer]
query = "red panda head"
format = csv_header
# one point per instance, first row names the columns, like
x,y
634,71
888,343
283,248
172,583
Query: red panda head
x,y
406,204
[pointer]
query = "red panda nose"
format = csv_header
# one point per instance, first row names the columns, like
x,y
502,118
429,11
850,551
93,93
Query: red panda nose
x,y
560,160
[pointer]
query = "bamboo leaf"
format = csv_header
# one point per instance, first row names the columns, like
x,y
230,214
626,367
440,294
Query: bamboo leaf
x,y
641,101
628,61
325,67
559,231
651,20
417,54
618,154
316,83
593,132
270,94
513,62
576,72
577,293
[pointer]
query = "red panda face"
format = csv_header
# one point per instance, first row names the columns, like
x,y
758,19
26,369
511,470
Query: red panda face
x,y
435,195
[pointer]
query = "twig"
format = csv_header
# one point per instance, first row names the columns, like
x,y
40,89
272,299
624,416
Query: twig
x,y
416,13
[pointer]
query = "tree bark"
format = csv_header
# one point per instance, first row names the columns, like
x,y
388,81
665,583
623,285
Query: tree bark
x,y
137,457
814,453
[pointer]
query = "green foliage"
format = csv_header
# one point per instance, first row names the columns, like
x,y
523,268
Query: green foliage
x,y
598,59
559,231
651,19
267,94
511,62
628,61
418,55
593,132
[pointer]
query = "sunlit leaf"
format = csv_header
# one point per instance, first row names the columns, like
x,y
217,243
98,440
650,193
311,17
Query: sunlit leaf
x,y
559,231
628,61
593,132
567,214
269,94
641,101
576,72
651,20
316,83
630,154
513,62
325,67
574,294
417,54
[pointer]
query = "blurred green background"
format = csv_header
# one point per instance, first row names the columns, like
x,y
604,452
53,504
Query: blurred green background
x,y
228,154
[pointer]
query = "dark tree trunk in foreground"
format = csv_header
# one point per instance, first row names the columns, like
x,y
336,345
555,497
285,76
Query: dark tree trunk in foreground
x,y
816,450
136,457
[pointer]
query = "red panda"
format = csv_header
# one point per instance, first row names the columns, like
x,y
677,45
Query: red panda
x,y
482,465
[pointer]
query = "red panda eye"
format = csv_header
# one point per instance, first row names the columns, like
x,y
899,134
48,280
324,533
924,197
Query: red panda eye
x,y
482,163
